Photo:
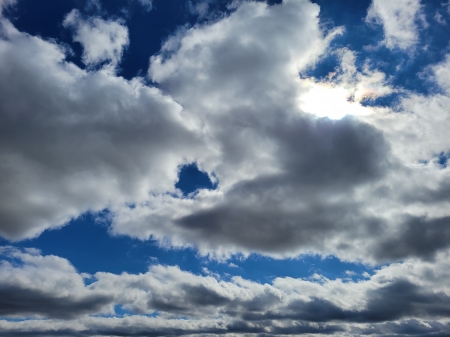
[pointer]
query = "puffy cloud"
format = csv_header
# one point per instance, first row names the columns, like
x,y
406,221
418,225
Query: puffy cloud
x,y
230,99
401,294
399,21
290,182
102,41
74,141
366,184
49,286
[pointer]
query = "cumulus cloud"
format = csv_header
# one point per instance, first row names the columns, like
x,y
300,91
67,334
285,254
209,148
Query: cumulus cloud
x,y
74,140
49,286
398,19
291,182
102,41
401,294
230,98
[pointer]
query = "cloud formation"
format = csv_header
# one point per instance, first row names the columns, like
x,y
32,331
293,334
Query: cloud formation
x,y
102,41
393,299
399,21
74,140
366,187
303,165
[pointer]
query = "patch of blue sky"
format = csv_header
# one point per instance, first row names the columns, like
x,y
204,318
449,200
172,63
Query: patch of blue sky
x,y
18,319
406,69
263,269
442,159
87,244
191,179
120,311
392,100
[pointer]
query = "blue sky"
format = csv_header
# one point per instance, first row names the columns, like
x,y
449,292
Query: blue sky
x,y
213,167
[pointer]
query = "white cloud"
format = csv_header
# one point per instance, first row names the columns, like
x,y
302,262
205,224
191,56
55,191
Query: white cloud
x,y
211,305
231,98
290,181
285,188
102,41
44,286
74,141
399,20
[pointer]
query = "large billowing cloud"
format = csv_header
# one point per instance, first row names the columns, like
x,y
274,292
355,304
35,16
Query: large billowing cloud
x,y
400,298
291,182
74,140
231,99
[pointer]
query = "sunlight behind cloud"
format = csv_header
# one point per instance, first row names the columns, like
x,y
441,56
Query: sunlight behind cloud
x,y
334,102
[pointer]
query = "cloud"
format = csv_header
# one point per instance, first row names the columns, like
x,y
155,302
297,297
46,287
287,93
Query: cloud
x,y
102,41
4,4
74,140
229,98
399,21
290,182
49,286
359,182
400,294
147,4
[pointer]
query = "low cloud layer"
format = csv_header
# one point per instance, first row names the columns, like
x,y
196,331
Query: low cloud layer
x,y
404,298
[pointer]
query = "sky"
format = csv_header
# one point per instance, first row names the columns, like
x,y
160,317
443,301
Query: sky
x,y
224,168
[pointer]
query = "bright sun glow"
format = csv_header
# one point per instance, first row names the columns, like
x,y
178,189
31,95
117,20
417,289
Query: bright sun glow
x,y
334,102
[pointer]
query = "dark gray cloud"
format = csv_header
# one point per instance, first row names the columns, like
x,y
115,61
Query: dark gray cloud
x,y
289,182
18,301
318,158
418,236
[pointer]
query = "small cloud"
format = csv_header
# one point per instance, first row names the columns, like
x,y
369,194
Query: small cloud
x,y
398,19
446,5
440,19
318,278
33,251
350,273
102,40
232,265
200,9
93,5
208,272
147,4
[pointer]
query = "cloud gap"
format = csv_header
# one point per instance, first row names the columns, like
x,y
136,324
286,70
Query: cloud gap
x,y
191,179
